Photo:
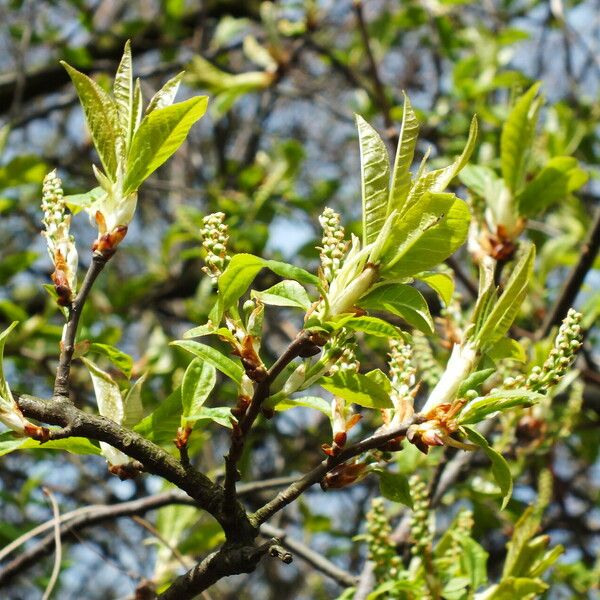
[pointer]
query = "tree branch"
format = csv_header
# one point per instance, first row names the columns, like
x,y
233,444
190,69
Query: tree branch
x,y
88,516
240,432
292,492
575,280
62,383
313,558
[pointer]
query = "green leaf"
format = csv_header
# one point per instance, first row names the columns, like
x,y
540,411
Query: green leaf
x,y
5,393
117,357
517,137
198,382
442,283
559,177
77,202
375,179
108,395
75,445
237,277
369,325
123,94
503,400
166,95
401,300
285,293
425,235
371,390
291,272
101,116
210,329
500,468
211,355
132,404
315,402
473,381
159,135
437,181
473,560
501,317
218,414
395,487
478,179
507,348
160,426
243,268
512,588
401,178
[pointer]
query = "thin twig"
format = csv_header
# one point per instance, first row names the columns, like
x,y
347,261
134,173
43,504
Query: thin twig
x,y
57,544
313,558
62,383
575,280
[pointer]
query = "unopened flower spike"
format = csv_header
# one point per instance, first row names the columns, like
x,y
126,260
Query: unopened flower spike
x,y
61,245
561,357
214,240
402,377
333,244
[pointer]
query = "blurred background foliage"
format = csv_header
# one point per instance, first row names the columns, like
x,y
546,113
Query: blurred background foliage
x,y
279,144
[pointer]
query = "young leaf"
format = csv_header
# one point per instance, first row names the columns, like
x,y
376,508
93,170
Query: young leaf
x,y
221,362
473,381
481,408
218,414
401,178
132,404
108,395
500,468
554,182
425,235
507,348
511,588
315,402
123,94
375,178
401,300
117,357
198,381
160,426
501,317
369,390
166,95
237,277
75,445
367,324
438,181
242,270
442,283
517,136
78,202
101,116
285,293
395,487
159,135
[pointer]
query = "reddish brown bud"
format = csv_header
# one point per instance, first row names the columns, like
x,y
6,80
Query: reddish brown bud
x,y
340,438
123,472
267,413
183,435
344,475
41,434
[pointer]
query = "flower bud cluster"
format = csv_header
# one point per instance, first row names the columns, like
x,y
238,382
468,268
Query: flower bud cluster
x,y
333,244
567,343
61,245
347,362
402,377
429,369
381,550
214,240
420,530
461,529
